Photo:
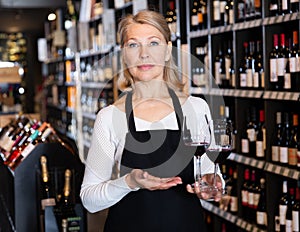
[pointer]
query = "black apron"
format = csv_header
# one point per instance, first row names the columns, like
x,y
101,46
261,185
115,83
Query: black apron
x,y
173,210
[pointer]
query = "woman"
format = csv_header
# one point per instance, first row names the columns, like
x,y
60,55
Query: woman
x,y
137,165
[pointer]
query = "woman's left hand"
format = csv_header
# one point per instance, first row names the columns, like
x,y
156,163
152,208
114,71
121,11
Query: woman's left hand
x,y
208,179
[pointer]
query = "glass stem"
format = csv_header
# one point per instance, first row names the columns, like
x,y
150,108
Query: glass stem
x,y
198,169
215,175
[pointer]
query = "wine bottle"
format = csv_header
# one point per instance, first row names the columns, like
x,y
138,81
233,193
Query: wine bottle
x,y
243,67
273,8
253,196
48,197
289,211
217,12
65,209
245,192
285,7
287,85
259,74
204,12
293,63
258,6
261,137
222,12
294,6
250,68
200,15
274,84
194,16
26,147
261,213
245,145
219,66
226,82
281,62
293,143
252,131
284,142
241,11
283,205
18,147
277,139
171,18
296,209
234,194
229,13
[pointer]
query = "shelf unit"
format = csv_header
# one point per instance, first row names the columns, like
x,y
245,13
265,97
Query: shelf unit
x,y
19,195
240,99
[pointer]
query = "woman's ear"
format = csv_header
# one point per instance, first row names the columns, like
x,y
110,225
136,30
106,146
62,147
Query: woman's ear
x,y
169,51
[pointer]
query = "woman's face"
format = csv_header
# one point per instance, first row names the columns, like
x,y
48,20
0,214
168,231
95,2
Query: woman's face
x,y
145,52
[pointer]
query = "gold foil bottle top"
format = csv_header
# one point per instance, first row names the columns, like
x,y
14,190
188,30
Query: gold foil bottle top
x,y
43,161
67,187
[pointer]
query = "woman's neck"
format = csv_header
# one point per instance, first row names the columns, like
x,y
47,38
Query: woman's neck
x,y
156,89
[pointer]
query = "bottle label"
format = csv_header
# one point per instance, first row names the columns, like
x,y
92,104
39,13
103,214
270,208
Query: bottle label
x,y
298,64
216,13
282,214
288,225
250,199
243,79
273,70
293,64
249,78
217,73
256,197
251,134
296,225
275,153
281,64
287,81
292,156
194,20
244,197
245,145
227,68
283,155
284,5
256,80
259,149
261,218
233,204
27,150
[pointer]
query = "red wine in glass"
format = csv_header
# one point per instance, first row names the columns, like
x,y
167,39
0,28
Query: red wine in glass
x,y
218,155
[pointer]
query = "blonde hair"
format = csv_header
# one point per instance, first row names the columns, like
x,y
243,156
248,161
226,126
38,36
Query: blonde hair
x,y
158,21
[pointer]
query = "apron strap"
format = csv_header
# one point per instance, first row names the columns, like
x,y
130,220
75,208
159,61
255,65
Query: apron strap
x,y
129,110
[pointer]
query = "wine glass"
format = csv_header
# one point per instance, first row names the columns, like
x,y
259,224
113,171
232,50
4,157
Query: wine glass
x,y
197,135
219,149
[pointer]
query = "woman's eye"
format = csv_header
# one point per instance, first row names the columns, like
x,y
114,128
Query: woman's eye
x,y
154,43
133,45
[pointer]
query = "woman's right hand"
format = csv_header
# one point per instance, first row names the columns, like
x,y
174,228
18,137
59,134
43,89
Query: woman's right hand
x,y
138,178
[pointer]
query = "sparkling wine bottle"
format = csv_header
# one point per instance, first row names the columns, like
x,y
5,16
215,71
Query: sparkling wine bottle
x,y
48,196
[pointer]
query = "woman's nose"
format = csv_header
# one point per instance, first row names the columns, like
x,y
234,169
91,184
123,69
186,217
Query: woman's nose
x,y
144,51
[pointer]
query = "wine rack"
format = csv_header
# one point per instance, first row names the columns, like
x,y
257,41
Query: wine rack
x,y
241,99
19,204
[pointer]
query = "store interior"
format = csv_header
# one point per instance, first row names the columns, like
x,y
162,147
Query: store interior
x,y
225,56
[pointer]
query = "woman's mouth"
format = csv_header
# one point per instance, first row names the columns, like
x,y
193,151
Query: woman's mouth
x,y
145,67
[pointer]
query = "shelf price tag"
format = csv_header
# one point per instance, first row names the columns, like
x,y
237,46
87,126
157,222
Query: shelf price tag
x,y
274,95
295,96
260,164
281,95
288,95
286,172
249,227
239,222
296,175
278,169
267,95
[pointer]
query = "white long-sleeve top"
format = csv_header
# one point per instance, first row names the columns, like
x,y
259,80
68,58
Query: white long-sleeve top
x,y
102,186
